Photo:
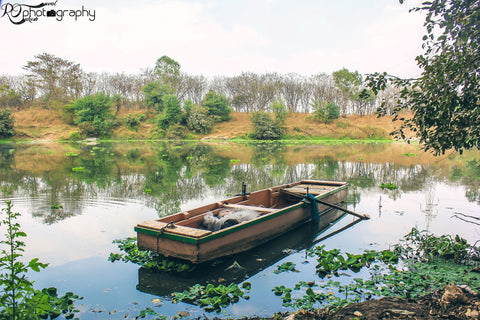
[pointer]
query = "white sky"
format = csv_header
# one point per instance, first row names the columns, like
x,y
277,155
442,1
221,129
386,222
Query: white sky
x,y
223,37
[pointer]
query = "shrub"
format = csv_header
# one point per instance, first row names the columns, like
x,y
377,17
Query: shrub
x,y
172,112
217,106
265,128
93,114
6,124
325,112
198,120
131,121
75,136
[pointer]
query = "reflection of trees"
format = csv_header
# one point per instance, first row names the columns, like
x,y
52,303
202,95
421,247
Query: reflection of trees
x,y
166,175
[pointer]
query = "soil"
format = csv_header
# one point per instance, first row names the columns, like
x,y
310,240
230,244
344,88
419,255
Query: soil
x,y
450,302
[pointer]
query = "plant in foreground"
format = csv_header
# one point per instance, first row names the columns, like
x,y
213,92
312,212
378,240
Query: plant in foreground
x,y
20,300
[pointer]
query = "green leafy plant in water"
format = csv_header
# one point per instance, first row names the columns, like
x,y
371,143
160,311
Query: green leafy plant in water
x,y
285,267
429,263
146,258
150,312
331,261
213,298
424,245
19,299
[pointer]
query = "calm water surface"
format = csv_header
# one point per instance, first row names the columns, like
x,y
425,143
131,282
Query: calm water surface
x,y
106,189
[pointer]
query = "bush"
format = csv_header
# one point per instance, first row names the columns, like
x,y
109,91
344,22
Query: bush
x,y
75,136
6,124
131,121
217,106
265,128
198,120
93,114
325,112
172,112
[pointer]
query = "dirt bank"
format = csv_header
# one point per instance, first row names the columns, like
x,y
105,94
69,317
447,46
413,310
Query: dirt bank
x,y
47,124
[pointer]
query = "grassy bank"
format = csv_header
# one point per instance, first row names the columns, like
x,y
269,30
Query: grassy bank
x,y
46,124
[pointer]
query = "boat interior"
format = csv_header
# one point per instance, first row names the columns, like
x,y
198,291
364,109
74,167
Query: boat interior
x,y
263,202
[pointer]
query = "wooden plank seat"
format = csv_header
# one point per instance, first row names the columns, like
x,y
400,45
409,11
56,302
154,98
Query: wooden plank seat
x,y
313,189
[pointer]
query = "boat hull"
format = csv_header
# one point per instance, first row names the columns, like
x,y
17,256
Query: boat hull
x,y
201,247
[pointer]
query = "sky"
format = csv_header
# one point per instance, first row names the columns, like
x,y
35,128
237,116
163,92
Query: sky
x,y
218,37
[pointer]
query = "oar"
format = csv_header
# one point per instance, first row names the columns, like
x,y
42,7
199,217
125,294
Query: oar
x,y
299,195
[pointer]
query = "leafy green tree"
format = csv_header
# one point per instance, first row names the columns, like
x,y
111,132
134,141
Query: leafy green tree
x,y
266,128
280,111
169,72
154,93
6,124
172,113
217,106
347,81
55,78
93,114
325,112
445,99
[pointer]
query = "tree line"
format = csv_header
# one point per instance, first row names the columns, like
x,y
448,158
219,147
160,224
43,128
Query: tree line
x,y
51,80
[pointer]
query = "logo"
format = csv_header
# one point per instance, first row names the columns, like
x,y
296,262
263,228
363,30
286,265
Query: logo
x,y
20,13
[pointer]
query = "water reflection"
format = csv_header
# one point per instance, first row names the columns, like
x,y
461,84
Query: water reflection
x,y
164,175
75,199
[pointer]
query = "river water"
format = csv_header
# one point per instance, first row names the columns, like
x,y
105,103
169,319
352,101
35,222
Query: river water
x,y
76,199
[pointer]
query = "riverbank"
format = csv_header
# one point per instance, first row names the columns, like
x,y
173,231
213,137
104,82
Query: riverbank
x,y
47,124
451,302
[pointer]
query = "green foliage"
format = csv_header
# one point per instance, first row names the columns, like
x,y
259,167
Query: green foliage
x,y
93,115
347,81
284,267
265,128
146,258
75,136
213,298
424,245
325,112
389,186
198,119
217,106
331,261
9,98
6,124
132,121
429,263
169,72
19,299
279,110
172,113
154,93
444,99
117,102
54,78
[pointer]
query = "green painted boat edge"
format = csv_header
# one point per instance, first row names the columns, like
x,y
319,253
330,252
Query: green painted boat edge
x,y
222,233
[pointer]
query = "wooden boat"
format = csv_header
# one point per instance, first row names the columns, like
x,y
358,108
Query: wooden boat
x,y
279,210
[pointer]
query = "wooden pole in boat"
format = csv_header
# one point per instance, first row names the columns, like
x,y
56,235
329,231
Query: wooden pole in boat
x,y
299,195
361,216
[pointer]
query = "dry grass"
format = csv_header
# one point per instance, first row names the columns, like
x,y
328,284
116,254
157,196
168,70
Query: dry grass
x,y
46,124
